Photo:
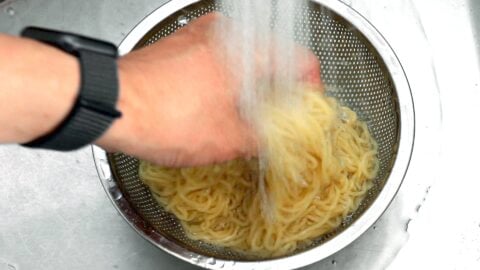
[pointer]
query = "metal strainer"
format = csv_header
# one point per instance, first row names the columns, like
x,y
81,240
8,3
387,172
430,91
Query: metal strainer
x,y
358,67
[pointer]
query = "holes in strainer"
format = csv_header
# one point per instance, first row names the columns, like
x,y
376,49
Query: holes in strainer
x,y
353,73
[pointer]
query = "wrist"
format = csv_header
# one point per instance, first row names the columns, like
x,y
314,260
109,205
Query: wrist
x,y
114,139
65,83
94,109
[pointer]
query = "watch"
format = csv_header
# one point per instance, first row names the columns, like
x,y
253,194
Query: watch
x,y
95,106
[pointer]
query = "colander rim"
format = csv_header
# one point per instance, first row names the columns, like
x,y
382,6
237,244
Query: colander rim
x,y
365,221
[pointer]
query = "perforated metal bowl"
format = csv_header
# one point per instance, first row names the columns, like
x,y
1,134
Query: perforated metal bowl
x,y
358,67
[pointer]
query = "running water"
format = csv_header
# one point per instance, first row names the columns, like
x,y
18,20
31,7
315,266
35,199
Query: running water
x,y
265,57
262,51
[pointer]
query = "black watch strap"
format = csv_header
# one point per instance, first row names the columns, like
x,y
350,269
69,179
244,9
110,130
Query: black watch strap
x,y
94,109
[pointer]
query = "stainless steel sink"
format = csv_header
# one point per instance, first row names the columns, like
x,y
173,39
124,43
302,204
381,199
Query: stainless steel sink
x,y
55,214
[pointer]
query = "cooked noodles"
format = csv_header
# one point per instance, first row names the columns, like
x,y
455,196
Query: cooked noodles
x,y
321,160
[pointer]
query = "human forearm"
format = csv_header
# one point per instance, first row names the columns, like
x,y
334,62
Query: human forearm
x,y
178,97
38,86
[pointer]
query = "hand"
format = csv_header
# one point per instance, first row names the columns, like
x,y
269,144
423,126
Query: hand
x,y
178,98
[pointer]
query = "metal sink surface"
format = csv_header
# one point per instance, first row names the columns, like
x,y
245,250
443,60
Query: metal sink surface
x,y
56,215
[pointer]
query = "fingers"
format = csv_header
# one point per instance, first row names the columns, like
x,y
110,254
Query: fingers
x,y
307,64
308,67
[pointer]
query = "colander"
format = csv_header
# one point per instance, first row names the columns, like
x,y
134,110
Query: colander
x,y
358,67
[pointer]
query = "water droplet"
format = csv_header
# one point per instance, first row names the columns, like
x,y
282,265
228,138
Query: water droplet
x,y
343,116
408,224
182,20
11,267
334,262
116,193
221,265
211,261
10,11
